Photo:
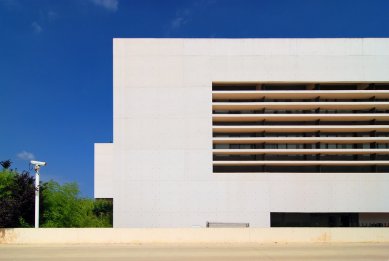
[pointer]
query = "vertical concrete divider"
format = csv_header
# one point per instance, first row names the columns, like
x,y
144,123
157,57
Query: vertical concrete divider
x,y
191,235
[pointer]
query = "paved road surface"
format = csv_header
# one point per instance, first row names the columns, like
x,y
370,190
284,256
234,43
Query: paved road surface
x,y
299,252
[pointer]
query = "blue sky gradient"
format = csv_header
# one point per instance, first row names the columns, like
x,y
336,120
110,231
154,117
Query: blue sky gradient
x,y
56,61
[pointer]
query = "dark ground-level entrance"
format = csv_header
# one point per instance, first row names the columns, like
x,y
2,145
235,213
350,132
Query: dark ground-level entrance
x,y
288,219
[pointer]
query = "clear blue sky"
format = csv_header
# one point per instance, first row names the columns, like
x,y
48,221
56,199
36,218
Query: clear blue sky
x,y
56,61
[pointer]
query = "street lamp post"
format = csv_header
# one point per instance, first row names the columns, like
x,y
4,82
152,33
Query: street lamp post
x,y
37,166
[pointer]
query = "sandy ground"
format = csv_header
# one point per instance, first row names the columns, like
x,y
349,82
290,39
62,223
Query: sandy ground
x,y
300,252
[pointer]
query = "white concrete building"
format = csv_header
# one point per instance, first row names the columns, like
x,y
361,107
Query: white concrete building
x,y
258,132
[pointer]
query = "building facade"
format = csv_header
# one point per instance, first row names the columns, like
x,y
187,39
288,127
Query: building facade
x,y
248,132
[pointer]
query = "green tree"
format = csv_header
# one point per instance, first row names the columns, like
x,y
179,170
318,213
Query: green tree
x,y
16,199
62,206
6,164
7,178
103,210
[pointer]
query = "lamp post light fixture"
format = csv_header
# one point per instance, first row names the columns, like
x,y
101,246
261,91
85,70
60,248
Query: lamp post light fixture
x,y
37,166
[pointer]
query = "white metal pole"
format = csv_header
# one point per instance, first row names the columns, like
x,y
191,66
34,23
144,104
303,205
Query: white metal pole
x,y
36,196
